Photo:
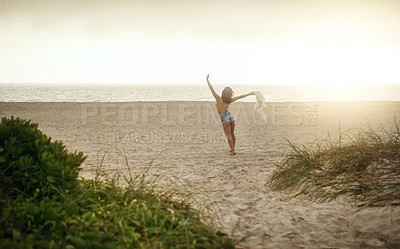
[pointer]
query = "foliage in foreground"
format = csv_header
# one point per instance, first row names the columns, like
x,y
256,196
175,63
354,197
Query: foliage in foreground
x,y
367,169
104,216
33,165
92,213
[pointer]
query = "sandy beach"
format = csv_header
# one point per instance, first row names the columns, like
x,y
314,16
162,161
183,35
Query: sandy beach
x,y
184,140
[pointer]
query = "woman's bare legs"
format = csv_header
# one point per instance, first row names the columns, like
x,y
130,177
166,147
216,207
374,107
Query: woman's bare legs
x,y
228,133
233,133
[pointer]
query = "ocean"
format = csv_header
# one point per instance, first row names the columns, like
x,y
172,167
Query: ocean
x,y
197,92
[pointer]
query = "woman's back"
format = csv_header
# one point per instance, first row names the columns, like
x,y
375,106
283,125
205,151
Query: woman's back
x,y
222,107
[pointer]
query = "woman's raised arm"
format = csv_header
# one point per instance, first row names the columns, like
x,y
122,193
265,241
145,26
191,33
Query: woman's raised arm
x,y
216,96
241,96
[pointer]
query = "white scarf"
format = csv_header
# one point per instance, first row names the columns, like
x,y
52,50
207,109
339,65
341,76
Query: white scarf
x,y
258,107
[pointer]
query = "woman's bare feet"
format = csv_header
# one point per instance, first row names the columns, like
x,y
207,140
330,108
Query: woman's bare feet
x,y
232,152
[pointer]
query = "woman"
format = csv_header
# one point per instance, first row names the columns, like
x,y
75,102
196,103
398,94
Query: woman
x,y
227,120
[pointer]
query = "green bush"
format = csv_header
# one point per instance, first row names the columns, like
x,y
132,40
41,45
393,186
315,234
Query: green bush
x,y
92,214
105,216
33,165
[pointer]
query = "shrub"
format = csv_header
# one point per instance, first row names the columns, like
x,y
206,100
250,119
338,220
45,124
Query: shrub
x,y
97,214
105,216
31,164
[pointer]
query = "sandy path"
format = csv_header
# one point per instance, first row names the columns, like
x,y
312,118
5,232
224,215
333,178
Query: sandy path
x,y
185,140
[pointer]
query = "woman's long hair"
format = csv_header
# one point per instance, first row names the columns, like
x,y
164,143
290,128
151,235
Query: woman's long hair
x,y
227,94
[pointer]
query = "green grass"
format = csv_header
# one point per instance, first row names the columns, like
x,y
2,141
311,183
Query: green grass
x,y
365,170
43,204
101,214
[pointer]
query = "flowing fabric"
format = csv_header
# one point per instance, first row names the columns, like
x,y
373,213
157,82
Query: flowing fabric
x,y
260,104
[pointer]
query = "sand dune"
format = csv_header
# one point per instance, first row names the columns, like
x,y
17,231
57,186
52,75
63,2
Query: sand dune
x,y
185,140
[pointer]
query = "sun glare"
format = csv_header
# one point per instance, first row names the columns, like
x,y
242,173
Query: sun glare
x,y
333,45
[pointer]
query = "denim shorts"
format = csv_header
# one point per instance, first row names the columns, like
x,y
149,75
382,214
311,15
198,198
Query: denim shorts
x,y
226,117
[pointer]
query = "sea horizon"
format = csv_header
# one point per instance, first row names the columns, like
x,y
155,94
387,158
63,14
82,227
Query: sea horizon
x,y
125,92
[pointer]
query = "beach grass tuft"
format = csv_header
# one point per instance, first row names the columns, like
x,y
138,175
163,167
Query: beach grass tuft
x,y
365,170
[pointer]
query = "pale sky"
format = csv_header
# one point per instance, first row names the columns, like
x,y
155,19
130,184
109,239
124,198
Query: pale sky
x,y
180,41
